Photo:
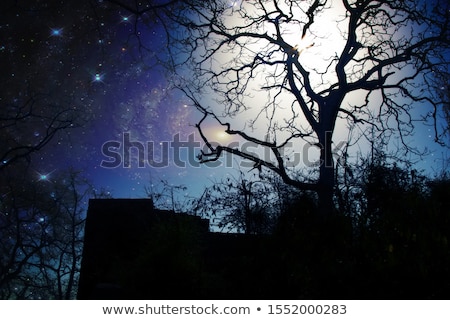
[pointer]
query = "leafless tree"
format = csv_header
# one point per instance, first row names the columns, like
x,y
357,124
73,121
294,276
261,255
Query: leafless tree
x,y
298,70
242,204
42,223
29,123
167,196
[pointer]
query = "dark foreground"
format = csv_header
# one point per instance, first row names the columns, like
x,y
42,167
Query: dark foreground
x,y
133,251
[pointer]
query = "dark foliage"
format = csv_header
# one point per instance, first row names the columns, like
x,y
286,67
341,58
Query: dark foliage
x,y
394,247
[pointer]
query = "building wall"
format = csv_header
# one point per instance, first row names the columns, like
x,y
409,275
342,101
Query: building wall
x,y
126,242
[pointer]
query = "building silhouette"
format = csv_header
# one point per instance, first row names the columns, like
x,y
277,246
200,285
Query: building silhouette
x,y
135,251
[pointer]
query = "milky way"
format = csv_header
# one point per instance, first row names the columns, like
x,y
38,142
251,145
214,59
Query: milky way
x,y
96,60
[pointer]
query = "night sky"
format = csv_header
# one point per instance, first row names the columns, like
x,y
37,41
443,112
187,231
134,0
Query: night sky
x,y
86,55
94,57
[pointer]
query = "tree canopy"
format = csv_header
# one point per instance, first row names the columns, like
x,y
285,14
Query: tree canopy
x,y
283,75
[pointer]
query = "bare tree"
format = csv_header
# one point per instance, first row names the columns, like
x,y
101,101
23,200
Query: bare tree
x,y
167,196
27,124
41,224
241,204
297,70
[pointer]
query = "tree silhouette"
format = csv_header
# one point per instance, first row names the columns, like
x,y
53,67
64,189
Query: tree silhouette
x,y
27,124
296,70
241,204
41,233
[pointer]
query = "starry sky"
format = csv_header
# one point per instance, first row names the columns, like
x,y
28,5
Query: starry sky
x,y
94,57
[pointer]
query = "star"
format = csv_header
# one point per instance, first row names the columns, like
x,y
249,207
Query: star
x,y
125,19
44,176
56,32
98,77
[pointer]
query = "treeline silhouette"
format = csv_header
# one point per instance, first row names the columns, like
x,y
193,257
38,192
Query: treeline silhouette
x,y
387,239
396,248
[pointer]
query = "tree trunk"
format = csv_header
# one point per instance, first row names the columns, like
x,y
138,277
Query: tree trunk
x,y
326,175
